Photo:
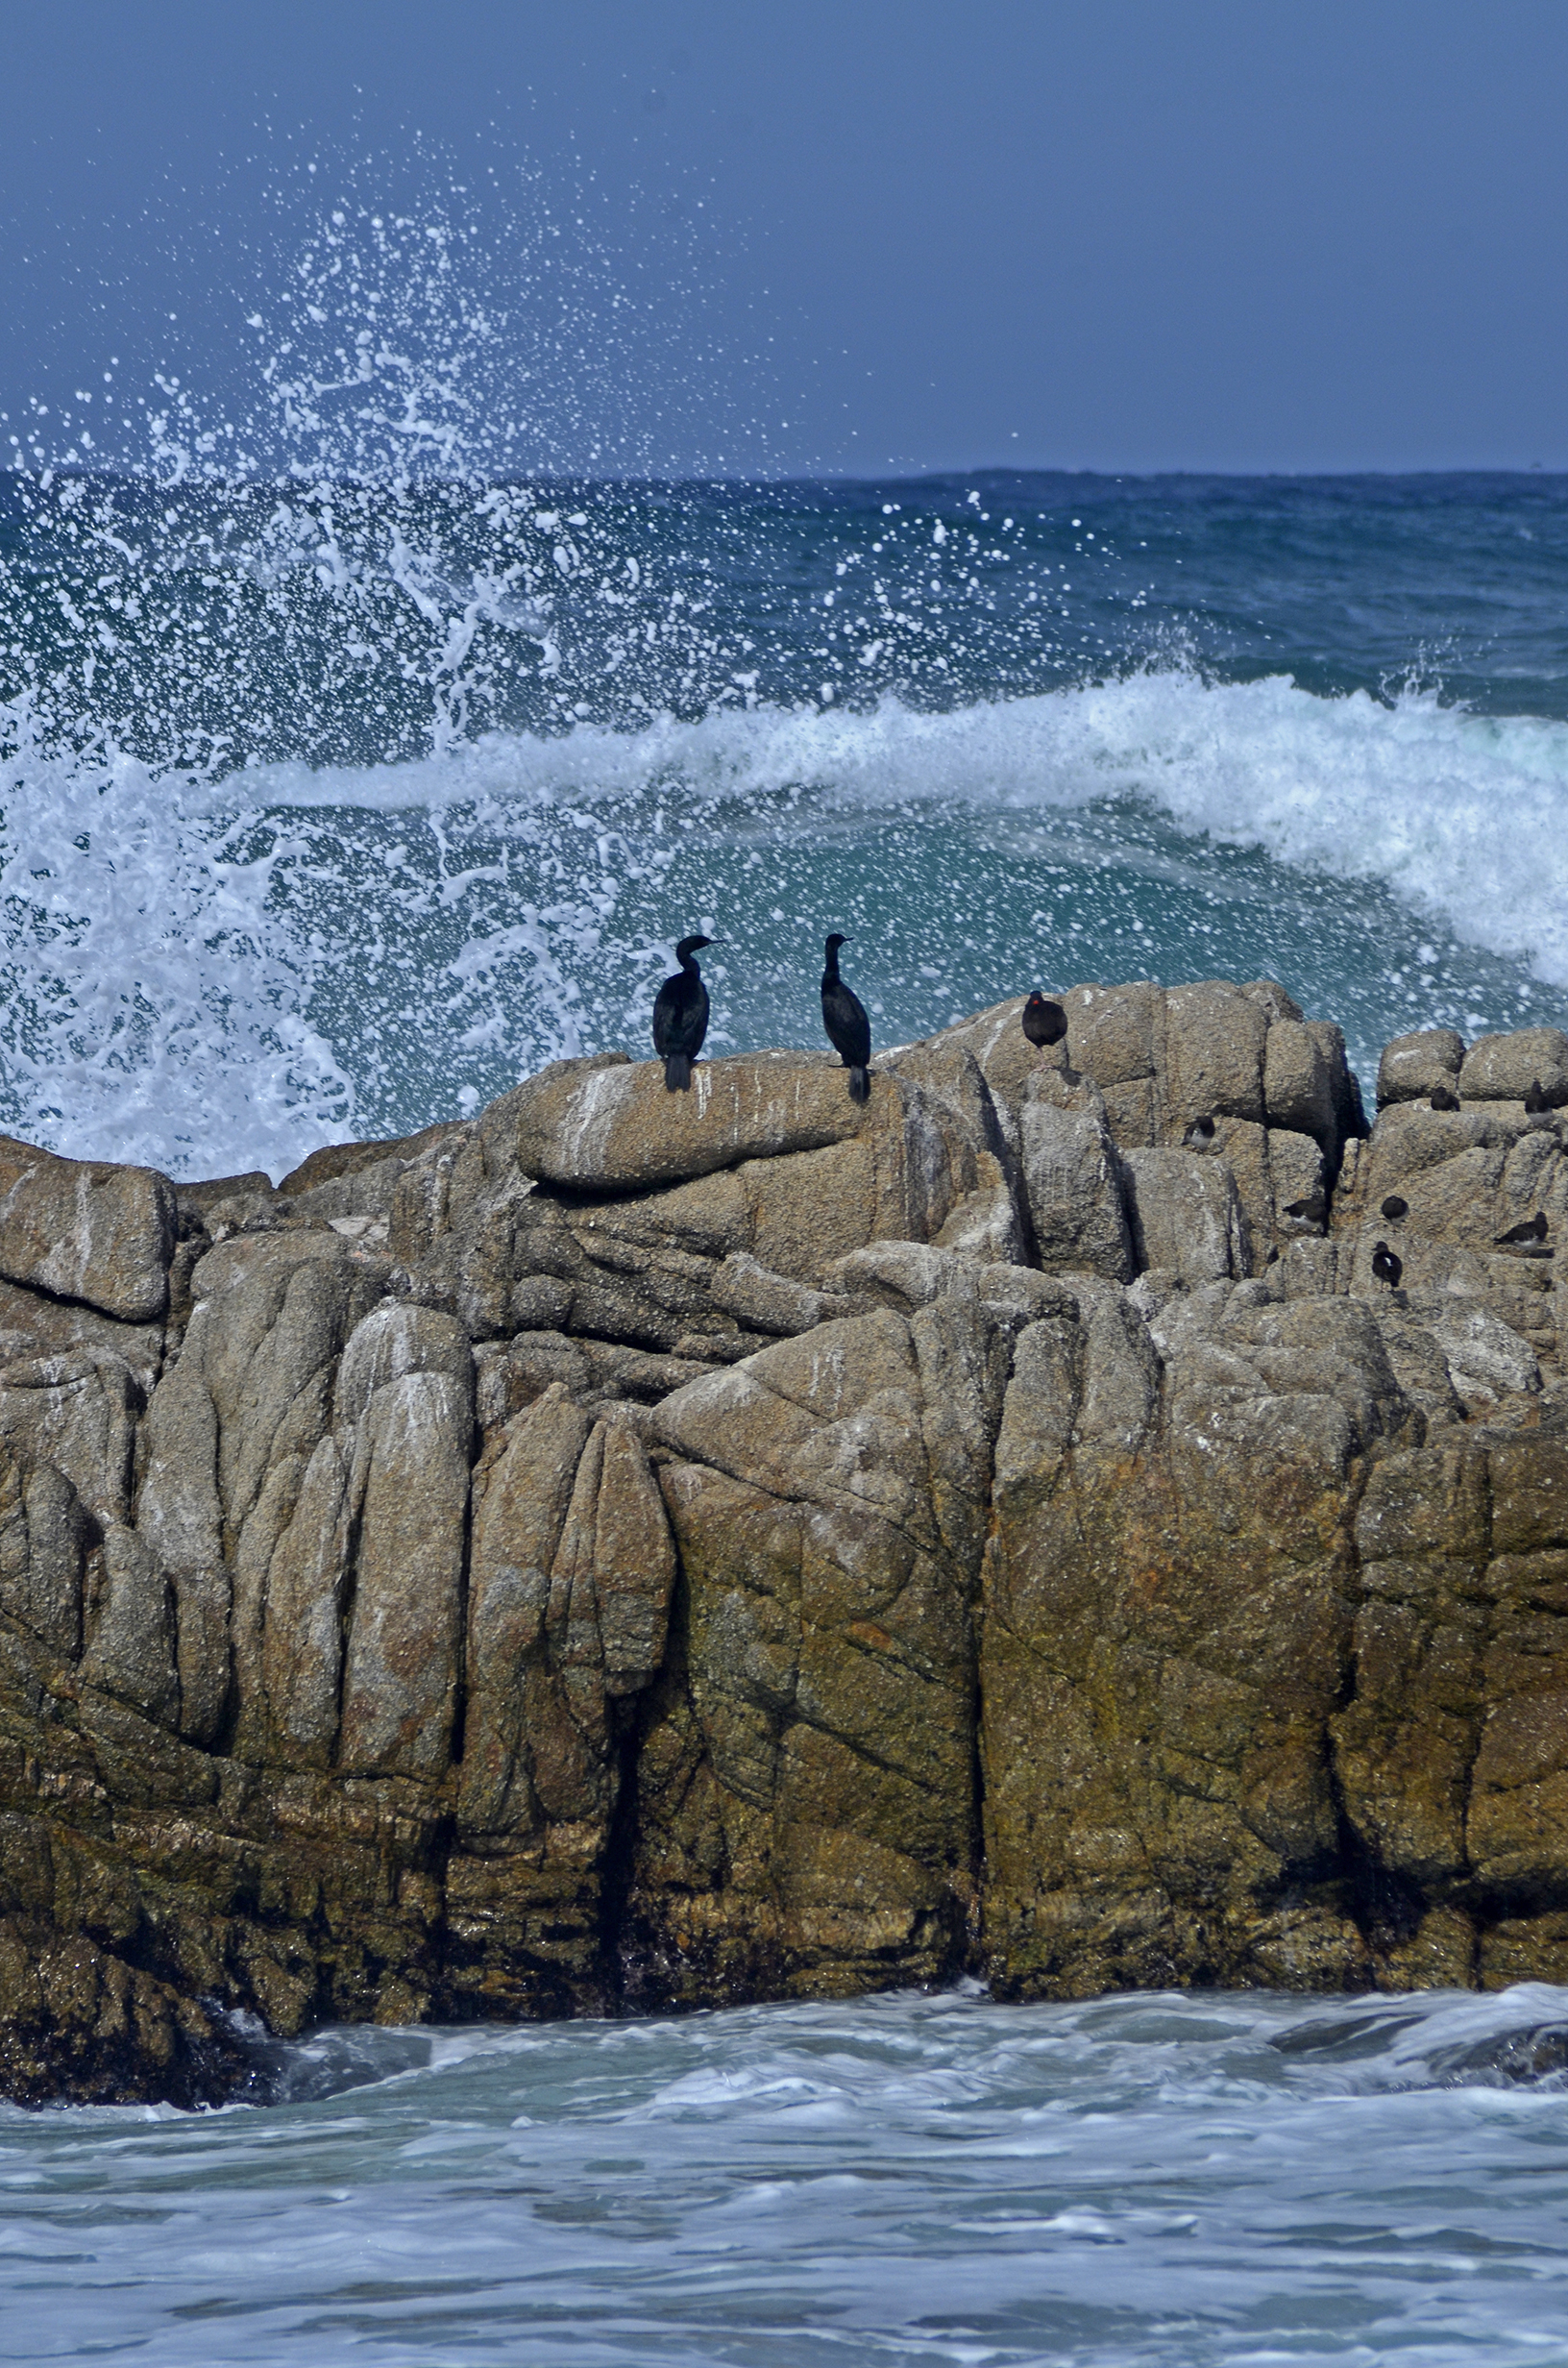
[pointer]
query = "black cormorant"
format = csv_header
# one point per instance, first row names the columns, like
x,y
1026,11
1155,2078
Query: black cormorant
x,y
680,1017
1386,1266
1045,1023
1443,1099
844,1015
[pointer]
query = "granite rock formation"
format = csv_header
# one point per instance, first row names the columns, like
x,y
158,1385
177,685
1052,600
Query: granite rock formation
x,y
610,1552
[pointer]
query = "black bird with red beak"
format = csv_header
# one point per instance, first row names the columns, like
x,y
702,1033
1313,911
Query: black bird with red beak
x,y
1045,1023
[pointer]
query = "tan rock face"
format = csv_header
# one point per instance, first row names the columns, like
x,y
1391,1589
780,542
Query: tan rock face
x,y
79,1229
1166,1629
806,1819
1154,1060
653,1549
1186,1216
1077,1196
733,1250
1457,1184
1414,1067
1504,1068
598,1129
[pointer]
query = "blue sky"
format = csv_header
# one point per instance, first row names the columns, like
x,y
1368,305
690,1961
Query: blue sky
x,y
1135,235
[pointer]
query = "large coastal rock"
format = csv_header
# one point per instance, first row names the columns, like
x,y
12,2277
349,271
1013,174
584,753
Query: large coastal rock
x,y
635,1549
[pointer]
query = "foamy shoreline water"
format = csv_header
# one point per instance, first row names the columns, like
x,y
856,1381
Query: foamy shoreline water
x,y
1149,2180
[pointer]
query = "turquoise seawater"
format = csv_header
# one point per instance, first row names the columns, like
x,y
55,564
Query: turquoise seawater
x,y
332,806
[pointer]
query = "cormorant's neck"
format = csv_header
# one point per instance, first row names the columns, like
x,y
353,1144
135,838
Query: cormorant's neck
x,y
832,966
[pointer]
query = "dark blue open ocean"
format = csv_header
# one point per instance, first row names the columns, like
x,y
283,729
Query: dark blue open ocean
x,y
338,793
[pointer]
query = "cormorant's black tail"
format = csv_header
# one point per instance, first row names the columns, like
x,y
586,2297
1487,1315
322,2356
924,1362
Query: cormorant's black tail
x,y
859,1085
677,1073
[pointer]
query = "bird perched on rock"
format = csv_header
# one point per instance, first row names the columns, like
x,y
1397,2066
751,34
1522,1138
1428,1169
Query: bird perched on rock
x,y
1045,1023
1199,1136
1535,1100
844,1015
1386,1266
1394,1208
680,1017
1534,1229
1443,1099
1311,1211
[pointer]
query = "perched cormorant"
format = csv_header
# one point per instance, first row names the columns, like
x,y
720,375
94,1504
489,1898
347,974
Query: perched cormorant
x,y
1534,1229
1443,1099
1534,1099
1394,1208
1386,1266
680,1017
1045,1023
844,1015
1199,1136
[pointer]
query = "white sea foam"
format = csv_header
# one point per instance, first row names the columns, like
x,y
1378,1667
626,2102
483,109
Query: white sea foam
x,y
1463,816
217,974
1153,2180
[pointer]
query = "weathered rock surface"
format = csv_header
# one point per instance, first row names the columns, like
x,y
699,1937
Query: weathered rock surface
x,y
644,1550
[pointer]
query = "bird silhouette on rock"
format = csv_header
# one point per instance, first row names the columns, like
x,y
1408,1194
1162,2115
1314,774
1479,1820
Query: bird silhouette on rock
x,y
680,1017
844,1015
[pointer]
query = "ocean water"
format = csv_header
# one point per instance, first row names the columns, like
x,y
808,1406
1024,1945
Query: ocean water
x,y
331,804
1149,2182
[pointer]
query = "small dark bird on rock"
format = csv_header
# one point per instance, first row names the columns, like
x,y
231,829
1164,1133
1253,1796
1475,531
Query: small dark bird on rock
x,y
1443,1099
1386,1266
1535,1100
1534,1229
1394,1208
680,1017
1311,1211
1045,1023
1199,1136
844,1015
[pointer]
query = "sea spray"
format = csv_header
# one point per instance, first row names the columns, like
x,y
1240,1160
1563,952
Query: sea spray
x,y
356,756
